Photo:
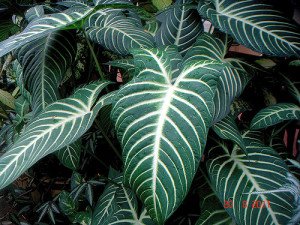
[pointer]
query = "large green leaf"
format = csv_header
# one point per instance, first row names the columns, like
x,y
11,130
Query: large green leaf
x,y
44,62
255,25
260,176
118,205
234,76
43,26
162,126
117,33
58,125
69,155
227,129
275,114
212,211
181,26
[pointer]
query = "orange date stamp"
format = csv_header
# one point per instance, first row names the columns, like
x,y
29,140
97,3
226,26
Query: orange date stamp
x,y
255,204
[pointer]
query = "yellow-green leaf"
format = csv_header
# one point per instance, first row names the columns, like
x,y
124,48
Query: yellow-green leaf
x,y
161,4
7,99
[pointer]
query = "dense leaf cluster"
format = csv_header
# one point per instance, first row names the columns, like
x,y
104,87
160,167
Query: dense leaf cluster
x,y
186,119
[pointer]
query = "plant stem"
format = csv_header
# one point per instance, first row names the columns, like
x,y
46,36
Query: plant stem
x,y
94,56
210,28
99,160
102,77
108,141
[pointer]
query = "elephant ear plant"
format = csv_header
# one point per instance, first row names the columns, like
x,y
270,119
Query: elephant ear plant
x,y
187,120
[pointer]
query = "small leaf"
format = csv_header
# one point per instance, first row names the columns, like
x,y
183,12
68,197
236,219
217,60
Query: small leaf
x,y
18,71
67,204
84,218
295,63
227,129
51,215
7,29
275,114
266,63
21,106
76,180
89,193
69,156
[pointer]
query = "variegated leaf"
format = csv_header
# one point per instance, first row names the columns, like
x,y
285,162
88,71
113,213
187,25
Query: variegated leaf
x,y
118,205
162,126
260,186
69,155
43,26
117,33
44,62
275,114
227,129
254,24
234,76
180,26
212,211
58,125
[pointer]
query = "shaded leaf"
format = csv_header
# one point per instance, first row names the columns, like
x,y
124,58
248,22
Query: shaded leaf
x,y
69,156
275,114
227,129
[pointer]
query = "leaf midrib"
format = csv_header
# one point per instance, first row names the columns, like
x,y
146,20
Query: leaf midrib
x,y
159,130
43,80
180,25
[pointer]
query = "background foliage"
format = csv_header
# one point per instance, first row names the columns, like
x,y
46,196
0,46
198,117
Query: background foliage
x,y
149,112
